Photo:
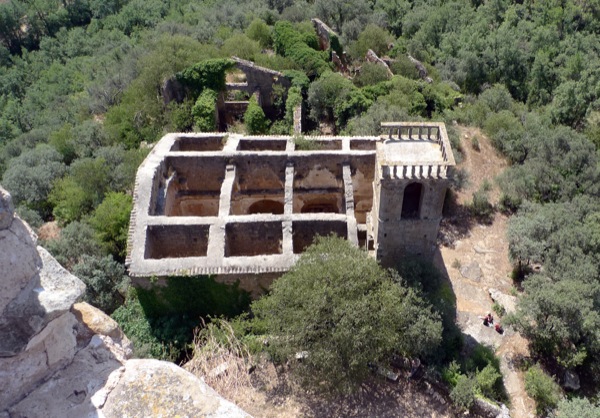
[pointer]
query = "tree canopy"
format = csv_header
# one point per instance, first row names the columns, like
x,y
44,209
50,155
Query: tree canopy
x,y
345,312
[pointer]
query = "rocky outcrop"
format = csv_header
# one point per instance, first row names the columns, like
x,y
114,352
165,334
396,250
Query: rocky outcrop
x,y
421,69
371,56
36,293
59,358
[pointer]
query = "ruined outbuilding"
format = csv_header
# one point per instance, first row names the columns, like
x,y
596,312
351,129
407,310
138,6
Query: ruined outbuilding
x,y
244,208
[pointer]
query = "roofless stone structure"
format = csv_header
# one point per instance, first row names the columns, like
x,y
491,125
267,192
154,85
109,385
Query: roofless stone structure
x,y
245,207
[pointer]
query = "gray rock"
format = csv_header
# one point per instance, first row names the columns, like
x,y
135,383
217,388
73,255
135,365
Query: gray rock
x,y
47,352
472,271
158,388
7,209
571,381
49,294
509,303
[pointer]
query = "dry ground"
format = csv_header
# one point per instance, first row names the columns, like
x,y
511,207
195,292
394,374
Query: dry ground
x,y
482,248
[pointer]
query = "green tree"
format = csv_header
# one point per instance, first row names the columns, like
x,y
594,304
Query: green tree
x,y
260,32
326,92
105,280
463,393
30,176
371,73
255,119
204,111
110,220
75,240
340,307
543,389
577,408
373,37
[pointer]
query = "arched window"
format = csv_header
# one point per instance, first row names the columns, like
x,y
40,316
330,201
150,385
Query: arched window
x,y
266,206
411,203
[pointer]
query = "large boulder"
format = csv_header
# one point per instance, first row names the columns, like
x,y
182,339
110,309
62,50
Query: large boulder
x,y
36,293
59,358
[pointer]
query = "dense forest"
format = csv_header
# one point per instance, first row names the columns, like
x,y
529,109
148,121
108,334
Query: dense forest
x,y
80,102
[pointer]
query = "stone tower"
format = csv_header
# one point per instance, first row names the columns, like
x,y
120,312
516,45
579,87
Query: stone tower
x,y
411,178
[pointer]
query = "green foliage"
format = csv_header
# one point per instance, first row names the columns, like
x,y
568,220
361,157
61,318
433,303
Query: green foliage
x,y
426,279
162,338
207,74
324,94
194,297
340,307
577,408
300,47
463,393
260,32
241,46
370,74
76,240
110,220
480,205
404,67
29,177
180,116
543,389
372,37
488,381
105,280
204,111
255,119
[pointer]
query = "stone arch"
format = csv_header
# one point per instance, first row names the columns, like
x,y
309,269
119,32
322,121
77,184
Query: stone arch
x,y
266,206
411,202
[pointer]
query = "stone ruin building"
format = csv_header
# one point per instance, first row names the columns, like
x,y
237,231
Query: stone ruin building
x,y
245,207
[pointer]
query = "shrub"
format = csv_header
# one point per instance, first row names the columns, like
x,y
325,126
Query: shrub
x,y
105,280
110,220
204,111
207,74
255,119
463,394
487,380
475,143
260,32
370,74
542,388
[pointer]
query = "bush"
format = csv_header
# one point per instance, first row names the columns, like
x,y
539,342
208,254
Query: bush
x,y
105,280
463,394
207,74
300,48
76,240
162,338
543,389
255,119
372,37
260,32
345,311
488,381
370,74
110,220
480,205
204,111
577,408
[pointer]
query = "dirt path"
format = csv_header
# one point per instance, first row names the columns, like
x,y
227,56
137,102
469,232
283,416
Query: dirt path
x,y
477,261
